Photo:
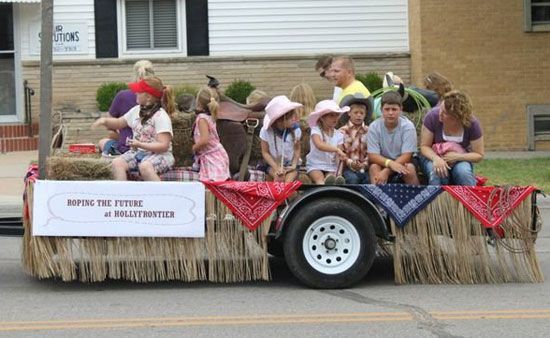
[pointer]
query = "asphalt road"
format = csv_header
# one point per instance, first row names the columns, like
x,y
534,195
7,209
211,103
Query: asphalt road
x,y
283,307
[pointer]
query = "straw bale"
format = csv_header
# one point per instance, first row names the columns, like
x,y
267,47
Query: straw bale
x,y
182,142
68,166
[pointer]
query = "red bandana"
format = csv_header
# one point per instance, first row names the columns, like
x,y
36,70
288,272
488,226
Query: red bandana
x,y
489,212
252,202
142,87
31,176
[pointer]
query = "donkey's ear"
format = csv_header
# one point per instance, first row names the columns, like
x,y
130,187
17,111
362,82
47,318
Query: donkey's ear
x,y
212,82
401,90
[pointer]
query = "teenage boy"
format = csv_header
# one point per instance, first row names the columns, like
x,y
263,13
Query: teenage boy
x,y
391,142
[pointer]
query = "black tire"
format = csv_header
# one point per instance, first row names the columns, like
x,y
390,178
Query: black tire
x,y
331,221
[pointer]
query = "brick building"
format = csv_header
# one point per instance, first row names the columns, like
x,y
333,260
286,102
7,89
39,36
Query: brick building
x,y
495,52
498,51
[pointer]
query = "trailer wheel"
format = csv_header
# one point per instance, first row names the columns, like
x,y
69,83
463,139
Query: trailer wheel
x,y
329,244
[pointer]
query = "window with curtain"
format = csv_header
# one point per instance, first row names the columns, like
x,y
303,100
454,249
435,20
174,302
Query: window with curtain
x,y
151,25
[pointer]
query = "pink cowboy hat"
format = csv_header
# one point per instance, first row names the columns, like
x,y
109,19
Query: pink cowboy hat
x,y
277,107
325,107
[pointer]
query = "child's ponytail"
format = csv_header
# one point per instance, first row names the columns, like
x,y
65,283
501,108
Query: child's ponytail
x,y
168,101
213,107
209,99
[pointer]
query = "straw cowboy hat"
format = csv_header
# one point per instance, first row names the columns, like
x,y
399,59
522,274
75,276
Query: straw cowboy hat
x,y
277,107
325,107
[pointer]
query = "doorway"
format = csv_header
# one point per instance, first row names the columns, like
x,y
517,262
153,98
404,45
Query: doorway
x,y
8,98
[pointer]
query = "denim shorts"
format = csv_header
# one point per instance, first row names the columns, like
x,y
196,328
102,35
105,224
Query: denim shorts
x,y
111,148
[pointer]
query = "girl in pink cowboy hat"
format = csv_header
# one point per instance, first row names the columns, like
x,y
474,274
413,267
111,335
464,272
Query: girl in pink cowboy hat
x,y
280,137
325,143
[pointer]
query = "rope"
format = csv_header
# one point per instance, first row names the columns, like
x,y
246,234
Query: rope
x,y
60,133
515,229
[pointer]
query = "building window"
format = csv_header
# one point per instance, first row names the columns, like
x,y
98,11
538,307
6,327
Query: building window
x,y
537,15
538,118
152,26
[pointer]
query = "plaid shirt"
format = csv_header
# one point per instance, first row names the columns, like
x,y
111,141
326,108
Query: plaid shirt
x,y
355,142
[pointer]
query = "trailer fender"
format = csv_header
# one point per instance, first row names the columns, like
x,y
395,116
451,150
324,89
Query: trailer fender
x,y
332,191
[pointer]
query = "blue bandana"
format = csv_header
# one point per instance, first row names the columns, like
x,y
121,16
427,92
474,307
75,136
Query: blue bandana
x,y
283,133
401,201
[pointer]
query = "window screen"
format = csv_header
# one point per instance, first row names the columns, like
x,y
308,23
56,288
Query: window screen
x,y
151,24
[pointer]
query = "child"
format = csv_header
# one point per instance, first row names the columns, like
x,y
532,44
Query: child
x,y
151,148
280,137
209,152
124,101
325,143
303,93
355,168
391,143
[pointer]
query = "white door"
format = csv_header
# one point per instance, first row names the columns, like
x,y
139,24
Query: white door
x,y
8,97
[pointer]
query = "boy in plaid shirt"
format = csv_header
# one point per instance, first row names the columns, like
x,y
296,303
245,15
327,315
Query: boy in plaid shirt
x,y
355,168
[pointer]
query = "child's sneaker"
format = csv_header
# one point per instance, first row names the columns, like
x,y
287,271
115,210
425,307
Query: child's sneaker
x,y
340,180
330,179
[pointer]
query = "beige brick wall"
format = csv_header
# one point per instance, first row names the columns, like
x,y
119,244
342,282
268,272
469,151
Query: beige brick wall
x,y
76,83
482,48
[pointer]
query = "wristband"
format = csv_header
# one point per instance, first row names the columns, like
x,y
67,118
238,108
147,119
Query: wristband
x,y
387,162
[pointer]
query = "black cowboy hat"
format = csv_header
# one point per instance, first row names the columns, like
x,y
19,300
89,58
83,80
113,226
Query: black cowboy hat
x,y
358,98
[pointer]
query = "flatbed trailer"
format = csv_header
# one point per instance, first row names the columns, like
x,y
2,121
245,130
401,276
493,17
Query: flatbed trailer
x,y
329,237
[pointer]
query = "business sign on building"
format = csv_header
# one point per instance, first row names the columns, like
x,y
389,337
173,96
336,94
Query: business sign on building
x,y
118,209
68,38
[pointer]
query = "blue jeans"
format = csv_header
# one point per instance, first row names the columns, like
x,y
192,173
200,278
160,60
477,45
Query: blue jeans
x,y
111,148
461,173
355,177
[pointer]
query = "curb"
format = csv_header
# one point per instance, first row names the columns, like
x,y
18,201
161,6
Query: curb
x,y
543,202
11,206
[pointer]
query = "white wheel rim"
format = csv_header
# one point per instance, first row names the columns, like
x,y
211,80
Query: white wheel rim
x,y
331,245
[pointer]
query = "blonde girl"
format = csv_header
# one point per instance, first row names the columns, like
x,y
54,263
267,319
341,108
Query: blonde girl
x,y
303,93
209,152
151,147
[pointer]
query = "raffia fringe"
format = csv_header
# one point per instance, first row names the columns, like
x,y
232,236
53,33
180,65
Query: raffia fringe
x,y
445,244
228,253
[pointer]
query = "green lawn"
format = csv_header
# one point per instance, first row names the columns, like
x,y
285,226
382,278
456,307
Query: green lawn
x,y
534,172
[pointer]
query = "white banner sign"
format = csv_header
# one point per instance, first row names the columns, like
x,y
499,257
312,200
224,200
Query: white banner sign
x,y
118,209
68,38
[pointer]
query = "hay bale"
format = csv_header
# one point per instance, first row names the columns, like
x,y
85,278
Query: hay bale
x,y
304,146
256,152
71,167
182,142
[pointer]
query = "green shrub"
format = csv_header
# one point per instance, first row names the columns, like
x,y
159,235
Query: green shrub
x,y
185,89
107,92
371,80
239,90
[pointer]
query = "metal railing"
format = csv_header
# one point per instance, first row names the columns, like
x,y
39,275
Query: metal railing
x,y
28,107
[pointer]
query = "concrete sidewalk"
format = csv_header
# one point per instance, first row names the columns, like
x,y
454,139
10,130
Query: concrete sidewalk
x,y
14,167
